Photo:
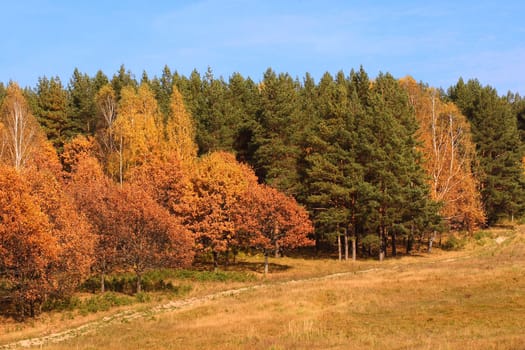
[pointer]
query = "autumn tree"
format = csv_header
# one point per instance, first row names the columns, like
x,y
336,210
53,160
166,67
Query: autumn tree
x,y
148,236
75,241
449,151
272,221
168,182
180,131
138,129
77,149
106,106
219,182
27,244
18,128
93,193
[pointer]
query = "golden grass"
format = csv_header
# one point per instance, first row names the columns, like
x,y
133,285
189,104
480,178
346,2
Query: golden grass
x,y
474,299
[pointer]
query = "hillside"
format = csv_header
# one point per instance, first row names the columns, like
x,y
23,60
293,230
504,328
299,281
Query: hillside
x,y
470,299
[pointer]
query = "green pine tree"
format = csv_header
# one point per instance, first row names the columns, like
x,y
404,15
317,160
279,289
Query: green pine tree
x,y
400,192
332,173
51,110
81,101
498,148
121,79
244,98
276,139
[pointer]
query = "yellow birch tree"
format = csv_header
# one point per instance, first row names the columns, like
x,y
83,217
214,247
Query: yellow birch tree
x,y
180,131
449,153
138,129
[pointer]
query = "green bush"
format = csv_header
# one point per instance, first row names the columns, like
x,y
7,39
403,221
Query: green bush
x,y
371,242
482,234
104,302
68,304
454,243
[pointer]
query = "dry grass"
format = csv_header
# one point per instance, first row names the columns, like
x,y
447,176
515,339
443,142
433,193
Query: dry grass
x,y
473,299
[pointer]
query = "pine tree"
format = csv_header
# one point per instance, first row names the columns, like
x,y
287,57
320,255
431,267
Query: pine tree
x,y
331,171
400,191
163,89
122,79
498,147
99,80
277,151
81,101
244,98
2,91
217,124
52,111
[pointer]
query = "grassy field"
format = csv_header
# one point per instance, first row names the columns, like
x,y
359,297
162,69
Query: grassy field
x,y
471,299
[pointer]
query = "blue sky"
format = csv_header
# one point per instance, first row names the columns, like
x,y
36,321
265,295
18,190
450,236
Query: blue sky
x,y
435,42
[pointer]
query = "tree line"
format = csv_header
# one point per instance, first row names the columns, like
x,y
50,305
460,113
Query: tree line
x,y
106,175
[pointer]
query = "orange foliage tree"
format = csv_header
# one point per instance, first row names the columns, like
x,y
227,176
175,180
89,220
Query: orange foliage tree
x,y
134,231
168,183
234,212
272,221
78,148
449,153
220,182
75,240
70,238
149,237
93,195
27,244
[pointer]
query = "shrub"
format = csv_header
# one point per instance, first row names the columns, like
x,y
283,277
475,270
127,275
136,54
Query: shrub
x,y
481,235
371,243
454,243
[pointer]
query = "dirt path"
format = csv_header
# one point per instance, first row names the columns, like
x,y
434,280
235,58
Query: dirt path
x,y
182,304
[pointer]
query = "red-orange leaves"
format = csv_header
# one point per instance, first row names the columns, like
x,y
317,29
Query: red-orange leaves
x,y
75,240
273,220
135,232
148,236
93,193
27,245
78,148
167,182
235,212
